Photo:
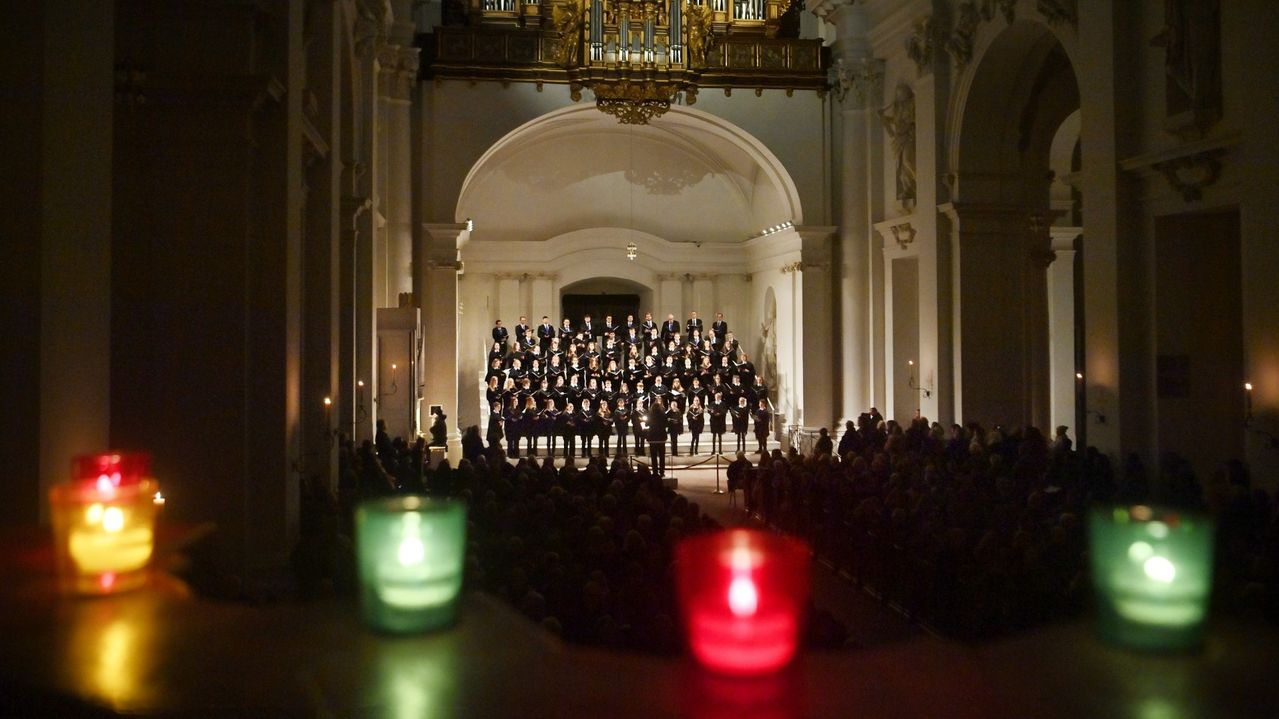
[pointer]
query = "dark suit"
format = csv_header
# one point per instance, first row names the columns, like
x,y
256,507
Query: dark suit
x,y
693,325
719,328
670,328
656,436
500,335
545,333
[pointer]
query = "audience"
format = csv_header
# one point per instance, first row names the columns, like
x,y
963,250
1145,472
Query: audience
x,y
976,532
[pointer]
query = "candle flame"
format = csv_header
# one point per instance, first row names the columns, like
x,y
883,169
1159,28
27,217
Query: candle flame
x,y
359,383
1159,569
411,552
743,597
328,401
113,519
158,499
1247,386
1079,375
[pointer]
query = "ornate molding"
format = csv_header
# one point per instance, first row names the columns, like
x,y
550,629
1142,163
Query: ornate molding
x,y
903,234
960,44
862,79
397,70
921,42
1007,8
1059,12
1189,175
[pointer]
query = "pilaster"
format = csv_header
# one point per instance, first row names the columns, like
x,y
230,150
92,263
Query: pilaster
x,y
436,288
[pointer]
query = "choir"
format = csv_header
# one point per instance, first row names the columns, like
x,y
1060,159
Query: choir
x,y
588,388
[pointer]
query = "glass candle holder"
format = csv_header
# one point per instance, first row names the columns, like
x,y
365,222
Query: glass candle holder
x,y
113,468
411,554
1152,572
742,595
103,535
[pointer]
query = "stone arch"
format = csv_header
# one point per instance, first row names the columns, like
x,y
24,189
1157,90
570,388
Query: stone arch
x,y
689,176
1011,105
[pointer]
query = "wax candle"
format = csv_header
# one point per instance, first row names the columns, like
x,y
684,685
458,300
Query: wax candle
x,y
742,594
1152,572
411,551
103,535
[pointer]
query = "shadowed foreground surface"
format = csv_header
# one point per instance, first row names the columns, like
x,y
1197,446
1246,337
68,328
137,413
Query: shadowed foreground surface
x,y
160,651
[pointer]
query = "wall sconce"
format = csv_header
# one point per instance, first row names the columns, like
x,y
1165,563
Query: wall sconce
x,y
910,382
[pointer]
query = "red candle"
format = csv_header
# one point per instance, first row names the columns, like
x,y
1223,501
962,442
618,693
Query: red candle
x,y
110,470
742,593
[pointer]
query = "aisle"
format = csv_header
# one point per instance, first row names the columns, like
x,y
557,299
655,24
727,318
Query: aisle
x,y
869,623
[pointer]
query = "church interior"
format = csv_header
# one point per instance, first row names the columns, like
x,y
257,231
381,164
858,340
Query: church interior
x,y
1004,271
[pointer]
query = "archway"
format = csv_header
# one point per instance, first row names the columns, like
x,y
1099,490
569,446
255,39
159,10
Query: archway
x,y
1015,114
678,214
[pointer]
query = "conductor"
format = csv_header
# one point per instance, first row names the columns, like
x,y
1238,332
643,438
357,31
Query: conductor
x,y
656,435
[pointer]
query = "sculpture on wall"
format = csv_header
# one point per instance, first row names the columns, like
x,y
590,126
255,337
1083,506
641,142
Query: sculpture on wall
x,y
899,123
919,44
568,18
960,44
768,336
1191,39
699,34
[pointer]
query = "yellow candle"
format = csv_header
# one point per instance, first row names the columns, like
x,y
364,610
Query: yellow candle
x,y
104,536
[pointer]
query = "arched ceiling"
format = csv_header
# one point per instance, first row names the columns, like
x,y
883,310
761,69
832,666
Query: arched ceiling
x,y
688,176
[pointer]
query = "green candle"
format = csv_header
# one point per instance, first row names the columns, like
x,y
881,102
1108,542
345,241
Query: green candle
x,y
411,551
1152,571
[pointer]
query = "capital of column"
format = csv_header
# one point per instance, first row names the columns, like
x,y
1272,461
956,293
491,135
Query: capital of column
x,y
397,70
440,243
858,82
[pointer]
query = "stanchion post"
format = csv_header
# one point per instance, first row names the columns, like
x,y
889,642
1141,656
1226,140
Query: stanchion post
x,y
717,489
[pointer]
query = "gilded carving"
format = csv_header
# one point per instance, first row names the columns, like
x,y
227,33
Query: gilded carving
x,y
634,103
568,18
700,35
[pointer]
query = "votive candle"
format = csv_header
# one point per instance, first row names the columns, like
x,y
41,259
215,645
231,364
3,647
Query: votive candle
x,y
411,553
1152,572
103,535
742,594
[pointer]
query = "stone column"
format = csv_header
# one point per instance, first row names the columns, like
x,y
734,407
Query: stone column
x,y
508,307
671,299
436,288
58,301
543,300
364,210
994,352
859,78
1061,328
397,72
817,359
703,300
